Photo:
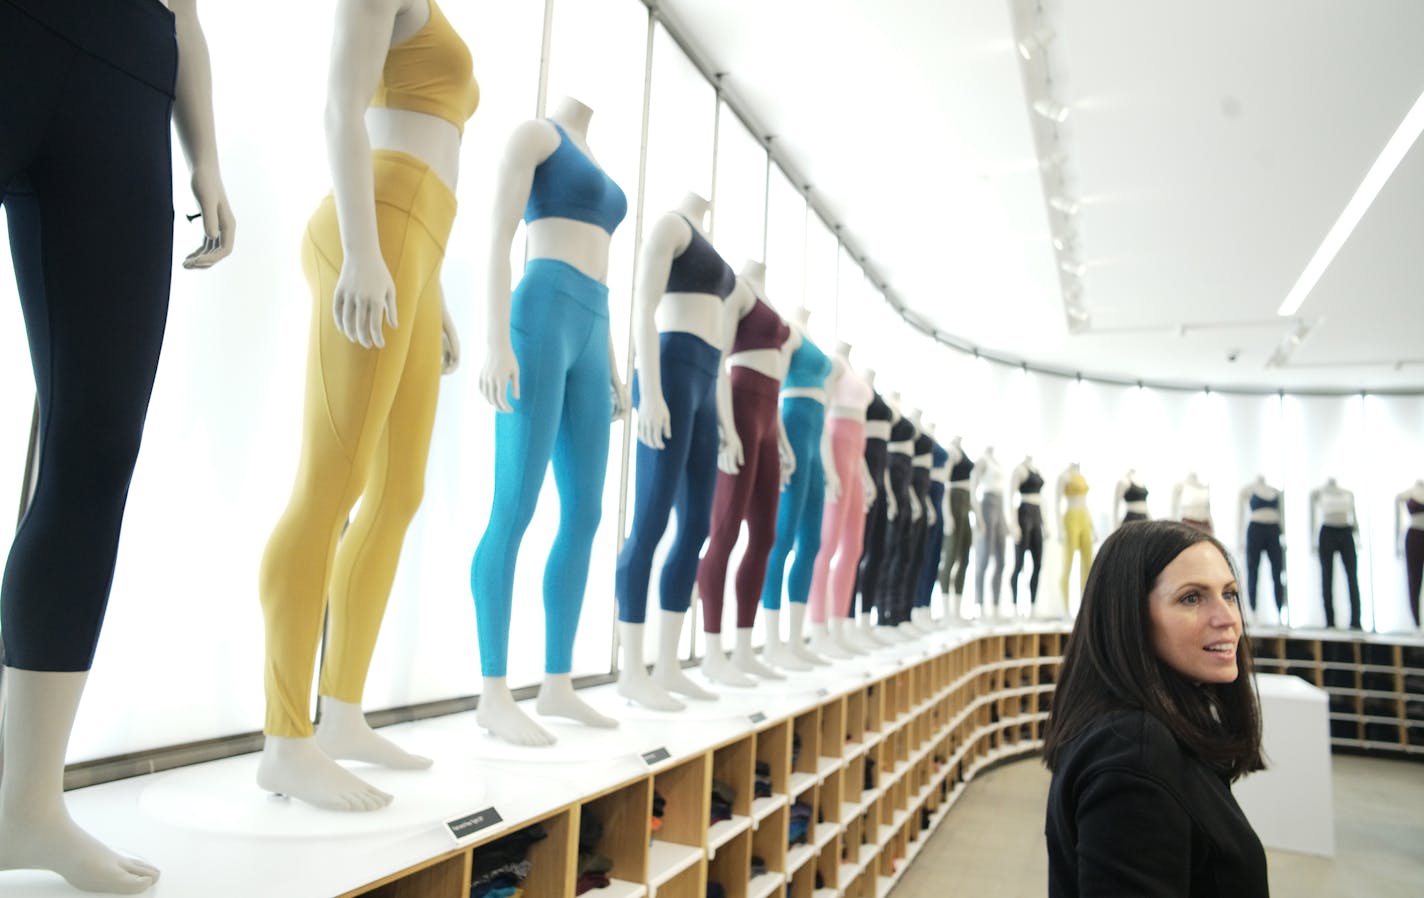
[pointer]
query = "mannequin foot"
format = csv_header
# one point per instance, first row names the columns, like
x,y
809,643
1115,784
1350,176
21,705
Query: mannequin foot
x,y
344,735
672,679
53,841
800,650
780,655
909,631
859,640
825,644
297,768
639,688
504,720
883,635
718,669
557,698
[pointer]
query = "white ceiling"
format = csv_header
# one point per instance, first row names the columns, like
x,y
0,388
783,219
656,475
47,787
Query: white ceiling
x,y
1213,144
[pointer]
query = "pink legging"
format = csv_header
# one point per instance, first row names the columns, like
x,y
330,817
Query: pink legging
x,y
751,495
842,525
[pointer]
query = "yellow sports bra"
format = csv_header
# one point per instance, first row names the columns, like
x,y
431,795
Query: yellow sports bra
x,y
431,72
1077,485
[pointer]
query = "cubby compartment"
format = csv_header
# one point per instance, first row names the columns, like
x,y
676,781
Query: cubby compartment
x,y
625,815
731,864
690,882
805,750
678,843
443,877
730,791
803,883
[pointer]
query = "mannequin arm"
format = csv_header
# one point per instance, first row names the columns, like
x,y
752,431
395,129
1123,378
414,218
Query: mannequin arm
x,y
893,507
867,483
1118,501
621,400
828,463
932,516
1314,528
364,293
788,454
449,340
729,455
668,238
916,510
531,143
197,133
1401,514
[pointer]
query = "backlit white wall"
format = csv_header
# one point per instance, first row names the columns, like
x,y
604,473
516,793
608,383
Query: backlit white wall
x,y
181,655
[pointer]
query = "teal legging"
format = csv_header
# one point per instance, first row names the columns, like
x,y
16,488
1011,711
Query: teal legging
x,y
559,327
798,518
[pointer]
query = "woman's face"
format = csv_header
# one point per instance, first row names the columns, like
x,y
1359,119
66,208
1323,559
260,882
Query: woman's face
x,y
1196,621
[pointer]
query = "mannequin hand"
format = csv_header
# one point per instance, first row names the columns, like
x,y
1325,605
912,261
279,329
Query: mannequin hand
x,y
915,509
654,420
449,342
729,457
500,376
622,401
833,486
867,486
933,517
364,295
1015,534
219,226
788,464
892,507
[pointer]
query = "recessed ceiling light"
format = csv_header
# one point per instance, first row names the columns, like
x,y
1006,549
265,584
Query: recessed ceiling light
x,y
1389,158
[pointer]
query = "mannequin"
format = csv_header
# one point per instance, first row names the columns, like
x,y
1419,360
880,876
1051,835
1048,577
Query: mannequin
x,y
879,419
958,536
551,376
1071,507
686,304
990,509
1027,527
1130,499
891,602
1260,510
843,521
1333,508
933,546
748,480
1409,540
92,252
369,413
1191,503
810,377
920,464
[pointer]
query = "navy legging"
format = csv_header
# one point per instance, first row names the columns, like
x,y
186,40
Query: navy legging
x,y
934,548
559,327
872,555
680,475
86,181
1265,539
798,518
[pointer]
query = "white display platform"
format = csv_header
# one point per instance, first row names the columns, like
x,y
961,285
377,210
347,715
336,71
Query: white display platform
x,y
1290,803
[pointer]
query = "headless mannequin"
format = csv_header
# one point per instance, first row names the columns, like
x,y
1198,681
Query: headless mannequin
x,y
958,533
933,470
41,698
878,501
1123,506
1262,534
800,524
1027,528
1070,507
902,510
843,520
676,317
921,462
1332,517
582,246
770,364
1409,540
1191,502
991,512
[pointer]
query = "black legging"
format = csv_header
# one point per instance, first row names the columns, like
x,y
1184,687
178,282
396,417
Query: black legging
x,y
1414,565
86,182
1265,538
1342,540
1031,543
872,554
898,548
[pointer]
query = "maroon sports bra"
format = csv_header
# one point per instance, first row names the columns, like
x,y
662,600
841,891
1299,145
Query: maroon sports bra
x,y
761,328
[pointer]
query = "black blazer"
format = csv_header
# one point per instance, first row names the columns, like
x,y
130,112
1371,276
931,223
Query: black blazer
x,y
1130,812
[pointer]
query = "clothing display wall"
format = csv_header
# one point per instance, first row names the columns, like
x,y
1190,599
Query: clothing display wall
x,y
180,658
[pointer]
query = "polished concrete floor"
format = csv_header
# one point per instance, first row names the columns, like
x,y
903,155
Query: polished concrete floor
x,y
991,844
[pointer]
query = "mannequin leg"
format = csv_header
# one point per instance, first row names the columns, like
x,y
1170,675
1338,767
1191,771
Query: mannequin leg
x,y
796,617
872,552
962,538
694,501
1035,548
998,535
36,831
716,666
1326,549
826,596
1255,548
798,418
1352,580
498,713
634,681
744,656
777,652
667,672
981,567
1275,554
808,549
730,503
760,516
1414,564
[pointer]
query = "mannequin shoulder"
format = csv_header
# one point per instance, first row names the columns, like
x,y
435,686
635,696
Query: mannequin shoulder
x,y
670,233
531,142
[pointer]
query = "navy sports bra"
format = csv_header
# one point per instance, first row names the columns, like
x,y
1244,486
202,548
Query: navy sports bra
x,y
1134,493
961,469
1032,484
568,184
939,456
761,328
809,367
1259,502
902,430
699,269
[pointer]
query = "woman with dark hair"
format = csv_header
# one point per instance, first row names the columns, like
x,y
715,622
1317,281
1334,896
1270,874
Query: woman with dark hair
x,y
1154,716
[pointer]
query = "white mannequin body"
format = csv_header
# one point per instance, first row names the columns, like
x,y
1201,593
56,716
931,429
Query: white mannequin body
x,y
1333,505
1191,498
39,707
583,246
1246,516
1121,504
1403,520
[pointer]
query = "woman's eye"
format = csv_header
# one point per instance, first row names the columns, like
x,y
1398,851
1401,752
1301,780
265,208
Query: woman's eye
x,y
1190,598
1231,596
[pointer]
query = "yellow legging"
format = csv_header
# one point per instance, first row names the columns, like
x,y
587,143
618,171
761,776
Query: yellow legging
x,y
1077,537
369,414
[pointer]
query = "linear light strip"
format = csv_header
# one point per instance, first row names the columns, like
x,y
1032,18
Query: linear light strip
x,y
1389,159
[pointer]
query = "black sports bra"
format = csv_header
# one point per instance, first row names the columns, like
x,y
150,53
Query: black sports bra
x,y
961,469
1032,484
699,269
1134,493
902,430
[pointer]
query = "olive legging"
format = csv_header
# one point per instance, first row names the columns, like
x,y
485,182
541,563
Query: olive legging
x,y
1077,538
842,526
366,434
751,495
955,564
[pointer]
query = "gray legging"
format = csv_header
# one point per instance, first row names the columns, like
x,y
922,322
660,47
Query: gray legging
x,y
991,545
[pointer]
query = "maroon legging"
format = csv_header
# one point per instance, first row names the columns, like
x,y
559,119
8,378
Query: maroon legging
x,y
751,495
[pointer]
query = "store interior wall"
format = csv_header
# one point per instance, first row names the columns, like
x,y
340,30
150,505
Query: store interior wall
x,y
181,655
